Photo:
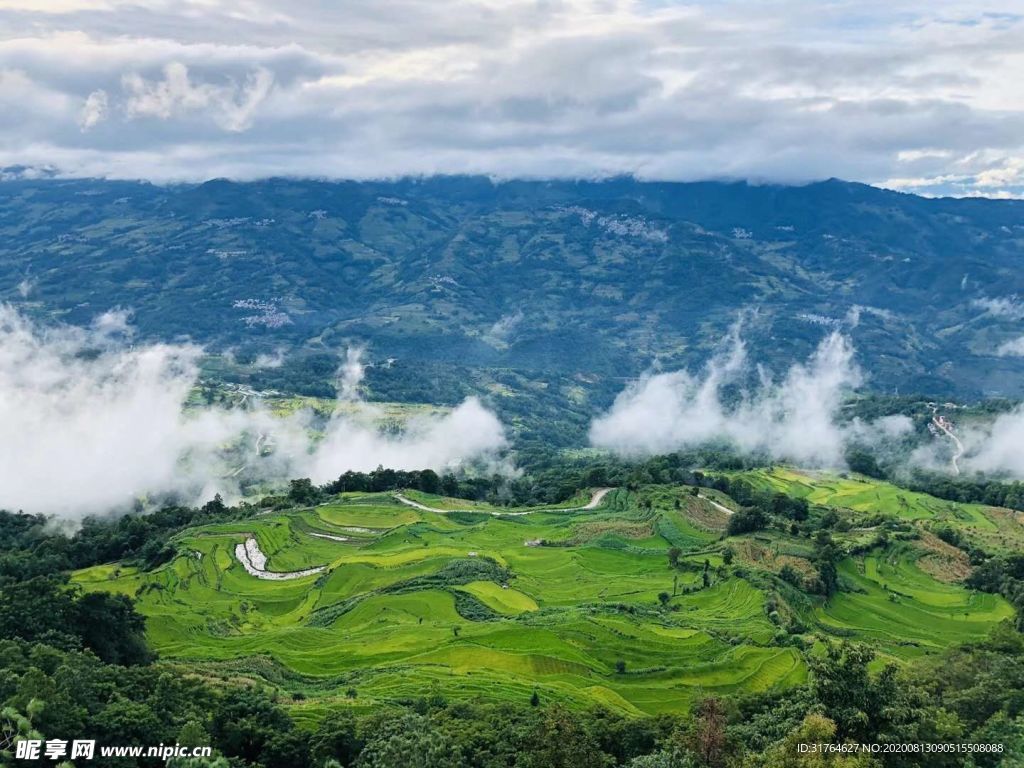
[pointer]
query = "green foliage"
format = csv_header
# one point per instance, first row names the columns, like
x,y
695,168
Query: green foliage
x,y
852,698
43,609
472,609
532,655
747,520
407,741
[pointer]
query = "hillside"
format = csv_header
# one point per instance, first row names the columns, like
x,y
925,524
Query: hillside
x,y
523,282
640,603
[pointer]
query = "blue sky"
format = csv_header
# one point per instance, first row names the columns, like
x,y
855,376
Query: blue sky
x,y
919,96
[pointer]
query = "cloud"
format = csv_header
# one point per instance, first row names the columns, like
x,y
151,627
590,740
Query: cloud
x,y
467,432
920,98
351,374
1007,307
503,329
996,448
272,360
90,423
992,447
1012,348
352,440
231,105
113,322
793,418
88,431
94,109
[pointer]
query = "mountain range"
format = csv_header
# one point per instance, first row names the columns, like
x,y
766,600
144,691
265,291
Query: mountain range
x,y
591,280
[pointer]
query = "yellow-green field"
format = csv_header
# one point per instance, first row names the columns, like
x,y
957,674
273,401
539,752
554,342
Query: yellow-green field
x,y
473,603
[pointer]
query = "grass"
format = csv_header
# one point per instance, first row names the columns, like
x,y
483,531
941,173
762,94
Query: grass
x,y
417,600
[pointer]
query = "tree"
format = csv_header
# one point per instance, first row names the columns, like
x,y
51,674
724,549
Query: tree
x,y
286,750
708,741
303,493
335,738
36,609
727,555
864,463
559,740
535,699
246,721
620,666
747,520
853,699
827,557
663,759
663,598
407,740
111,627
429,481
673,556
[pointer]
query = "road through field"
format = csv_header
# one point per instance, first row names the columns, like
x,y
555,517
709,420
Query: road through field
x,y
716,505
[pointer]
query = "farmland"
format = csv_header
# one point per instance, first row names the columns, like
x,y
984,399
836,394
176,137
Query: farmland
x,y
580,605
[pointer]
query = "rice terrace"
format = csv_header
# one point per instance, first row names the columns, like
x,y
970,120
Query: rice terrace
x,y
417,592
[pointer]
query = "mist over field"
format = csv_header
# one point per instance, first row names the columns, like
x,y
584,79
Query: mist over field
x,y
90,422
793,418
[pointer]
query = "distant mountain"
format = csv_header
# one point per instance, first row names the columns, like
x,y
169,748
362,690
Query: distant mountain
x,y
593,279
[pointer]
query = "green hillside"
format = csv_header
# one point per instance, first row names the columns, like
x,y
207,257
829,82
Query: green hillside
x,y
476,601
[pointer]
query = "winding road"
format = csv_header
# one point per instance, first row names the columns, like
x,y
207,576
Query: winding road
x,y
940,423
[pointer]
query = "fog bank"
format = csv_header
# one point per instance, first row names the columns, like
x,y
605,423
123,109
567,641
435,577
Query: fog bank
x,y
793,418
90,423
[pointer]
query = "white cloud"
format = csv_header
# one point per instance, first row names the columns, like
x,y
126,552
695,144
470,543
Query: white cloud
x,y
351,374
232,105
1011,348
468,432
794,418
1006,307
94,109
927,97
272,360
996,448
503,329
89,423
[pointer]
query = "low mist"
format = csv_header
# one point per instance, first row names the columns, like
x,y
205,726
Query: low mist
x,y
793,418
90,423
352,440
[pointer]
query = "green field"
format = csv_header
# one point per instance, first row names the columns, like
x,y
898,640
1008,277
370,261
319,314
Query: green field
x,y
477,601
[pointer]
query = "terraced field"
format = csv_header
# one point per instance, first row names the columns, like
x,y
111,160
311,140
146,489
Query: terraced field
x,y
892,597
473,600
863,494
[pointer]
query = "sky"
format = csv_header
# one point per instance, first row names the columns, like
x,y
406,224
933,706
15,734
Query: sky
x,y
925,97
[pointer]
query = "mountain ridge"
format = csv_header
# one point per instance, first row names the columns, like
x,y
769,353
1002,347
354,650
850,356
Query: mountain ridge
x,y
575,277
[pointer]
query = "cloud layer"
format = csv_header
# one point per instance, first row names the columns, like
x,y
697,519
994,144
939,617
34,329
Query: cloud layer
x,y
90,423
793,418
923,96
